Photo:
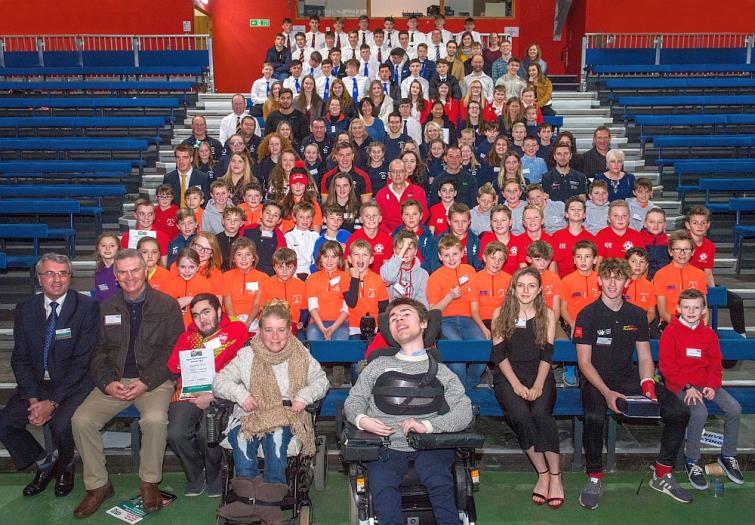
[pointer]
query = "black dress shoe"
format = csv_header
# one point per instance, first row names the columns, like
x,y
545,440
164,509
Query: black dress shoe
x,y
40,481
64,482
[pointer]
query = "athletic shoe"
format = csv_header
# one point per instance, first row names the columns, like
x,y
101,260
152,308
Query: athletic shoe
x,y
591,493
696,476
570,375
669,486
731,467
195,488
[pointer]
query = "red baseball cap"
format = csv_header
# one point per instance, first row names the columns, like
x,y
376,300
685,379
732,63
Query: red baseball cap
x,y
297,177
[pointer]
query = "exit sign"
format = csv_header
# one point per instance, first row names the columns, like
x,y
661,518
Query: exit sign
x,y
259,22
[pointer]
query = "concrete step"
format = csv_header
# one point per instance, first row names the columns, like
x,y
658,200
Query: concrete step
x,y
583,112
560,105
586,122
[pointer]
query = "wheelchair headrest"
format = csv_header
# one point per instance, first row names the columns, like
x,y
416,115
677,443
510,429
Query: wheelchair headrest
x,y
430,337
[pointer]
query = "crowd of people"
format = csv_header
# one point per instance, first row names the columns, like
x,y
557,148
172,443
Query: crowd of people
x,y
393,168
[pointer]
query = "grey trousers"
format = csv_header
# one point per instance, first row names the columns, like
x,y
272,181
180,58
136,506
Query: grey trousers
x,y
698,415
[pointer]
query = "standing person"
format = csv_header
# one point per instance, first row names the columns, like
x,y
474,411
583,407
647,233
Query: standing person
x,y
129,367
51,367
523,332
604,355
184,176
186,430
407,320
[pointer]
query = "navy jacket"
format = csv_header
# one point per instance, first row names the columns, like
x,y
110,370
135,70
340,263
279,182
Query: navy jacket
x,y
281,60
197,178
68,359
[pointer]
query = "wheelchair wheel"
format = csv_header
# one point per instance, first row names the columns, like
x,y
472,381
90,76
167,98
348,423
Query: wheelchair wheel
x,y
305,515
353,508
321,464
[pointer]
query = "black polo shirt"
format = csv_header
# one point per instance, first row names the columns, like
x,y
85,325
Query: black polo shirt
x,y
325,146
613,337
561,187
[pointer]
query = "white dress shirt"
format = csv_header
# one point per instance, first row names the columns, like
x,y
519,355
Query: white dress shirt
x,y
410,52
431,51
413,129
348,52
362,84
372,68
344,39
260,90
315,72
366,36
320,85
297,53
445,36
416,38
385,52
290,83
228,126
407,82
391,38
319,39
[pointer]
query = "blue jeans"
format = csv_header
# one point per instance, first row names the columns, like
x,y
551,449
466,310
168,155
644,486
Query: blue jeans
x,y
274,447
433,469
458,328
341,333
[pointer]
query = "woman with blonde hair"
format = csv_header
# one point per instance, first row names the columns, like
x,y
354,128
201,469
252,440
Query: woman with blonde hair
x,y
523,330
238,175
272,103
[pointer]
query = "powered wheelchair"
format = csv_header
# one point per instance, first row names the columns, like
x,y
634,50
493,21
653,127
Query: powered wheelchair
x,y
302,472
358,448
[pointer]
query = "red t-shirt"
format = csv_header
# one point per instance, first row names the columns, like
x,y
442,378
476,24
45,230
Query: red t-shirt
x,y
165,220
703,256
382,247
160,236
563,242
438,218
523,241
511,263
610,244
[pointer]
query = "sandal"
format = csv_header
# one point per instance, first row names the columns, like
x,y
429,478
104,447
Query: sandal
x,y
554,503
541,500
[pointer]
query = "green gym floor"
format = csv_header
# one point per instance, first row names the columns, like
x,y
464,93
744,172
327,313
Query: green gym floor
x,y
503,498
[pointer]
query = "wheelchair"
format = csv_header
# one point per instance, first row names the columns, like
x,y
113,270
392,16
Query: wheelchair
x,y
302,472
358,448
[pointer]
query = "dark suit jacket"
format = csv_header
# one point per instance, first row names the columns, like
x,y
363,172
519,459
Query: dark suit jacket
x,y
451,80
68,359
429,70
197,178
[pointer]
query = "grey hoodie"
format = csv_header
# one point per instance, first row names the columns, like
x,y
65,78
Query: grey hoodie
x,y
391,274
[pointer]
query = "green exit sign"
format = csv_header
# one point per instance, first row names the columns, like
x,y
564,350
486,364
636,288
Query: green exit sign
x,y
259,22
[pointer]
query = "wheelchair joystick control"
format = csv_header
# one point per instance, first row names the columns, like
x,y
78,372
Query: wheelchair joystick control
x,y
212,424
367,326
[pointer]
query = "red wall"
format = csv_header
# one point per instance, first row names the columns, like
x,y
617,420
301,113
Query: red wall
x,y
117,17
669,16
239,50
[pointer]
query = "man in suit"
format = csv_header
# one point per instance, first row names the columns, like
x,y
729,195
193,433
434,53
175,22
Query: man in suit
x,y
185,176
55,333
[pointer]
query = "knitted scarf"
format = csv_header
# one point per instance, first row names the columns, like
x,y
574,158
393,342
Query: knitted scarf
x,y
271,414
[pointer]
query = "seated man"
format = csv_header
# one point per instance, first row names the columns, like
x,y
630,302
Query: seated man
x,y
449,411
273,369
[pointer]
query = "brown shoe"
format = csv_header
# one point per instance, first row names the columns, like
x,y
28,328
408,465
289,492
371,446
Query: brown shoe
x,y
151,497
93,499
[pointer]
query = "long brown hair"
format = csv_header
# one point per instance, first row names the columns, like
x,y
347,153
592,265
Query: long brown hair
x,y
504,325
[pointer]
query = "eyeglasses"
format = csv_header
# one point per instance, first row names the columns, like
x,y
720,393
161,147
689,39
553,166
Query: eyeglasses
x,y
681,250
202,249
52,275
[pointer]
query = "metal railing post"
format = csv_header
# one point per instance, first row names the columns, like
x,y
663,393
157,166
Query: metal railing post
x,y
748,42
211,74
2,52
135,45
583,70
80,48
658,44
41,51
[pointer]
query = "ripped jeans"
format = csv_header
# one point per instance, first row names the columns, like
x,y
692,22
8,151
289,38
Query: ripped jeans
x,y
274,447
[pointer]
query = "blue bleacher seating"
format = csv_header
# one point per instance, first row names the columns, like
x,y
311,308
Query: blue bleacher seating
x,y
97,85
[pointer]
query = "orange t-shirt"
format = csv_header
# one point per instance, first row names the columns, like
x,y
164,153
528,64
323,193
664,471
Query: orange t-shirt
x,y
287,224
579,291
551,287
443,279
372,290
291,291
670,282
178,287
159,278
640,292
243,289
252,216
198,215
328,290
215,278
489,291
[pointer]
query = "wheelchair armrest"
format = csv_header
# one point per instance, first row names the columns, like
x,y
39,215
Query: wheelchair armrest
x,y
359,445
464,439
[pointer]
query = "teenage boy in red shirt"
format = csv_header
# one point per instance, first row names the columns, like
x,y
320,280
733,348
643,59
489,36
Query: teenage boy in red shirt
x,y
565,239
614,240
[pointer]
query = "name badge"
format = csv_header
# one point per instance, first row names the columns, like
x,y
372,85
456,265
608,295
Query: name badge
x,y
521,323
400,289
62,333
332,129
213,344
266,233
253,286
636,217
112,319
463,279
525,171
335,280
604,341
694,352
103,287
243,318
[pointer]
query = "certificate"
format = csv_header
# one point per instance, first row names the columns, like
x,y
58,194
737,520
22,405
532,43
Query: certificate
x,y
134,236
197,371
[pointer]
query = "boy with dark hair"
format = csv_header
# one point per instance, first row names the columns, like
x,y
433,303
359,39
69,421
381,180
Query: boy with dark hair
x,y
266,236
233,219
187,229
459,220
411,217
165,211
639,290
641,203
438,222
332,216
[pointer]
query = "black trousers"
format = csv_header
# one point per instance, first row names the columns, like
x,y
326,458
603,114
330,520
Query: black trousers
x,y
736,311
187,439
674,416
21,444
532,421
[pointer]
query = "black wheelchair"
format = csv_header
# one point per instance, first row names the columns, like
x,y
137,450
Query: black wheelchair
x,y
302,472
358,448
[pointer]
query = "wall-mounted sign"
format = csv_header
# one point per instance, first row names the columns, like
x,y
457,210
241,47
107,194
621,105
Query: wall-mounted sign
x,y
259,22
512,31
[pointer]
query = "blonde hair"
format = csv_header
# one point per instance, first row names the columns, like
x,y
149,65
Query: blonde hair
x,y
276,308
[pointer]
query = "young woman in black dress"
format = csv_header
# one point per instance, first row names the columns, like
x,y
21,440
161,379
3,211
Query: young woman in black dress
x,y
523,331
